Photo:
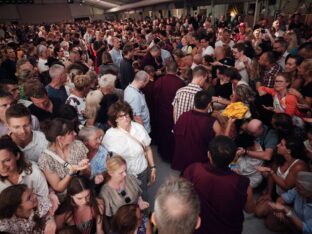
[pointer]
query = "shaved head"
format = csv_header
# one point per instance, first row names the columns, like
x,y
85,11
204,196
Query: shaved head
x,y
255,127
198,59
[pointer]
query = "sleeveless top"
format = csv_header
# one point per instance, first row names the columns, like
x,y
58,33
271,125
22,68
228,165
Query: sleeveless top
x,y
87,227
279,190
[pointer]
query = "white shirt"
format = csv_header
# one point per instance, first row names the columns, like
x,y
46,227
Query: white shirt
x,y
79,104
243,72
208,51
119,142
221,43
34,149
282,59
36,181
41,65
194,65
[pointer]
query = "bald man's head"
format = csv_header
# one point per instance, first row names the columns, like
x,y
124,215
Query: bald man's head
x,y
177,207
198,59
255,127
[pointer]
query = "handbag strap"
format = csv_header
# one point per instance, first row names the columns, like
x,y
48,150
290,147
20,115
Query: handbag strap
x,y
58,158
133,138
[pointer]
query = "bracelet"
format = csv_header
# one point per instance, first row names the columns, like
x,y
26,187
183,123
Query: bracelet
x,y
289,214
153,167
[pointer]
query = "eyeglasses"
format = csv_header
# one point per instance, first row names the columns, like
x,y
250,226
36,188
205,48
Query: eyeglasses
x,y
124,116
123,193
279,81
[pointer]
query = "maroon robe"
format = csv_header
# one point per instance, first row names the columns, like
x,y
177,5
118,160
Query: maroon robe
x,y
222,194
192,133
165,89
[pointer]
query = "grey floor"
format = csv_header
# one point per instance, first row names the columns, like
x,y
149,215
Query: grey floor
x,y
252,225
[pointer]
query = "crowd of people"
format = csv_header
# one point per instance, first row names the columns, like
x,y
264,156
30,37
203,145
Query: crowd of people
x,y
228,106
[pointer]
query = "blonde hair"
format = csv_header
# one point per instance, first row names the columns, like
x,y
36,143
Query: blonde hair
x,y
307,66
293,43
81,81
93,100
107,80
114,163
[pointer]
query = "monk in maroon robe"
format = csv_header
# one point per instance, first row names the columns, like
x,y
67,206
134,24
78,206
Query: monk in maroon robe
x,y
193,133
165,89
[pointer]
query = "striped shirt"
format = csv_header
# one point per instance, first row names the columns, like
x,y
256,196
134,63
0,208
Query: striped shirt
x,y
184,99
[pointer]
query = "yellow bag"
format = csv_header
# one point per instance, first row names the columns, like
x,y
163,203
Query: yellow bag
x,y
236,110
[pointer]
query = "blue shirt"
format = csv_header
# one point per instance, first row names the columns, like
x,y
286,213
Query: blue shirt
x,y
136,100
116,56
98,162
302,208
57,93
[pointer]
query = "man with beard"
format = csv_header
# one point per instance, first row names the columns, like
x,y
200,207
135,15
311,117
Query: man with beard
x,y
280,49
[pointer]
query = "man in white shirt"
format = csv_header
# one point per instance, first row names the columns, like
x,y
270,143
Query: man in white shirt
x,y
241,61
31,143
207,49
225,40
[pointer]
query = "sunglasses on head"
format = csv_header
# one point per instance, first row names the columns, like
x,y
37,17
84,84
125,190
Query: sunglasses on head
x,y
123,193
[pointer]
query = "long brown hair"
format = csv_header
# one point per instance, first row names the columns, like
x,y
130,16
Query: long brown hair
x,y
77,185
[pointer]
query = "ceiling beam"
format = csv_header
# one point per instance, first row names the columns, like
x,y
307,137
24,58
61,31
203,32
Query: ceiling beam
x,y
137,5
102,4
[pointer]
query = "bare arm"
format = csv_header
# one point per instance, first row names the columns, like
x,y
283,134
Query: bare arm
x,y
250,204
151,163
264,155
59,185
290,180
99,219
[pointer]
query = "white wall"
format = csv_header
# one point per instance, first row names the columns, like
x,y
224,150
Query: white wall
x,y
48,12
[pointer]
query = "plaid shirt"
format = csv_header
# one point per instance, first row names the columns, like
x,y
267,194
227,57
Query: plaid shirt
x,y
270,75
184,99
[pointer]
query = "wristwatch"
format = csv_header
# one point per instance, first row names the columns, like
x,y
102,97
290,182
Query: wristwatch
x,y
289,214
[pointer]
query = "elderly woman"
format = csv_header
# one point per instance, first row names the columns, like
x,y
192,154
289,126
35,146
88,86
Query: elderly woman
x,y
65,156
93,101
22,211
121,188
297,218
130,140
97,154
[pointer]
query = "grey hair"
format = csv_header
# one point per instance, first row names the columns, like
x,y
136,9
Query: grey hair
x,y
86,132
245,93
93,101
107,80
184,217
141,76
56,70
41,49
